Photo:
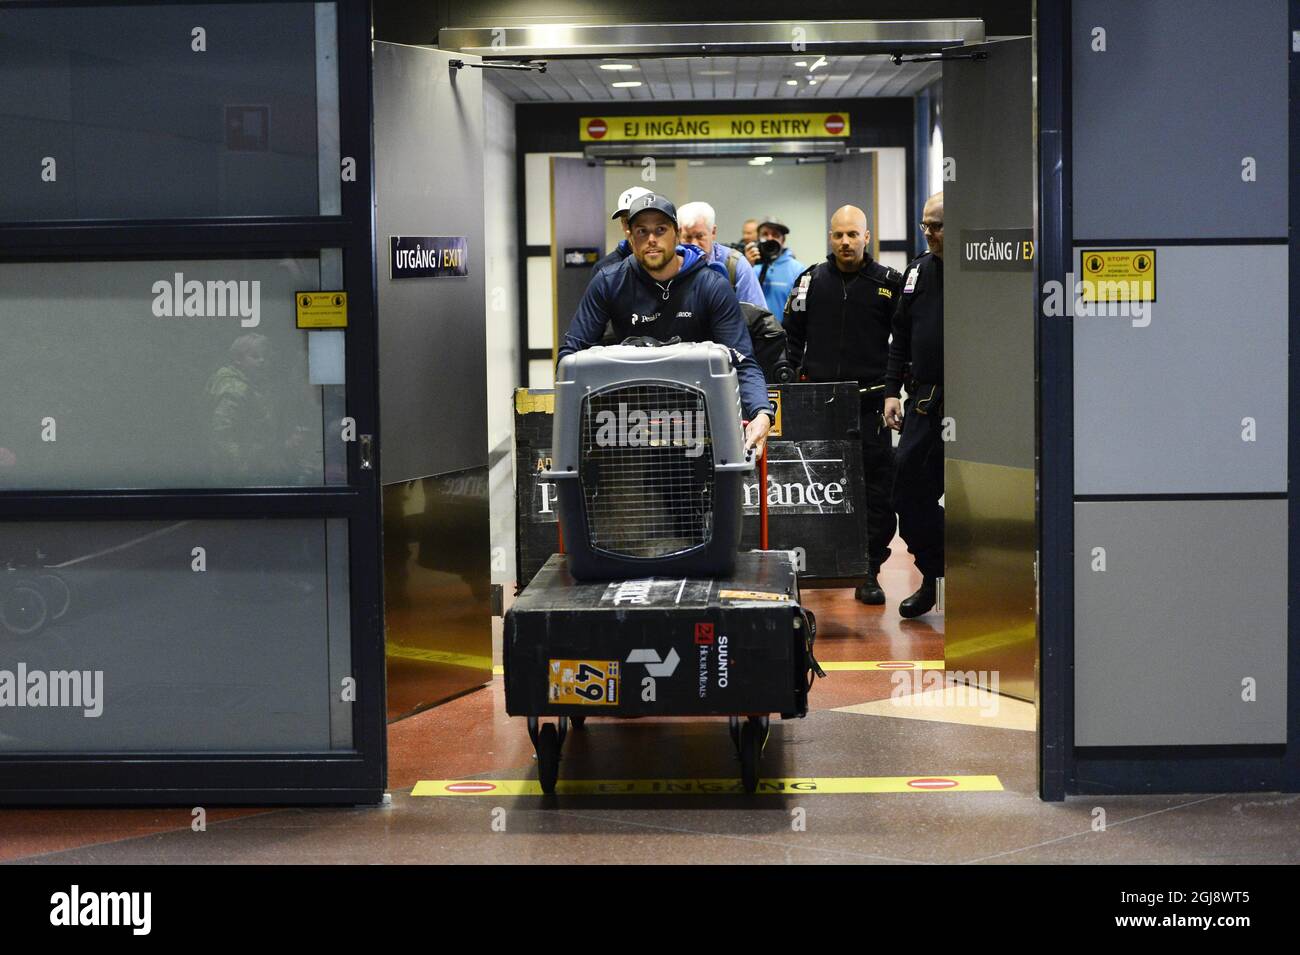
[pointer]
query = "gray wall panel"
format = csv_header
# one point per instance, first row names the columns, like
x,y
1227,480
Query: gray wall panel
x,y
1193,600
432,338
1162,119
1159,409
137,121
851,182
988,324
578,217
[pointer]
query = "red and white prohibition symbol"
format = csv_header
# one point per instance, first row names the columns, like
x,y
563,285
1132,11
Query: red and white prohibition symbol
x,y
471,787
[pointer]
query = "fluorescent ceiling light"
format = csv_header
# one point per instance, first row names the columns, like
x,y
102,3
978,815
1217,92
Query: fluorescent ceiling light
x,y
625,84
714,73
618,66
791,82
800,62
820,61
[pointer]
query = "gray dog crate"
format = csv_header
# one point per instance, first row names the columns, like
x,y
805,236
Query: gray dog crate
x,y
649,460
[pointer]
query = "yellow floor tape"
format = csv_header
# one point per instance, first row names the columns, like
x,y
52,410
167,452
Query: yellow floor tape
x,y
793,786
440,656
499,670
881,665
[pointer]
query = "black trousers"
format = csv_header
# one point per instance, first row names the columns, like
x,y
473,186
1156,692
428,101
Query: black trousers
x,y
918,485
878,475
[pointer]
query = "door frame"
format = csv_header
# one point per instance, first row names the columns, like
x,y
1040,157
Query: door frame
x,y
1065,769
1062,770
198,778
1054,449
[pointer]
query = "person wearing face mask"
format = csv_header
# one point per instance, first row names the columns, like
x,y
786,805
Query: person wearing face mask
x,y
665,290
837,323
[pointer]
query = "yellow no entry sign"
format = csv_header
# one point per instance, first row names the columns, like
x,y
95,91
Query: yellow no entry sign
x,y
700,126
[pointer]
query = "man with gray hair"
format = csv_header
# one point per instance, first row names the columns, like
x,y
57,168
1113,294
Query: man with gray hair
x,y
700,228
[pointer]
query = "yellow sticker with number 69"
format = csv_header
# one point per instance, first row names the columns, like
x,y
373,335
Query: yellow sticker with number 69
x,y
584,682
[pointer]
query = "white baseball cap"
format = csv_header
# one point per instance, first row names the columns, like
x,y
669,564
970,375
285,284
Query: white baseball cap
x,y
628,197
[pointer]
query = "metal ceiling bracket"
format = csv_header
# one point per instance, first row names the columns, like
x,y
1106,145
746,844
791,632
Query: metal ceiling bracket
x,y
899,59
527,39
529,66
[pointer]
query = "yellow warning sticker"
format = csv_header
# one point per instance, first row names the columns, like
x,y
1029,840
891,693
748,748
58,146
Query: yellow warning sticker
x,y
881,665
584,682
1119,275
790,786
776,425
528,401
322,309
750,595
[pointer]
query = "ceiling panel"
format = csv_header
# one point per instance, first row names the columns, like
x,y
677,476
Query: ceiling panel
x,y
717,78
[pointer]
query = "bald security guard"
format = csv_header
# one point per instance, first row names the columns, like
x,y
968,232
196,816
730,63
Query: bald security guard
x,y
837,322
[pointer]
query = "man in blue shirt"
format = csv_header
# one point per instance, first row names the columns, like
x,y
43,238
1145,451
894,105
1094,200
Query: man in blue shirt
x,y
777,266
700,228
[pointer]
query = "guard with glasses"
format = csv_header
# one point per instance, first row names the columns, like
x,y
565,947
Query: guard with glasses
x,y
918,476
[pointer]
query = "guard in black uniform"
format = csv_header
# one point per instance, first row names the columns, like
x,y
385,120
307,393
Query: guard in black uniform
x,y
918,474
837,323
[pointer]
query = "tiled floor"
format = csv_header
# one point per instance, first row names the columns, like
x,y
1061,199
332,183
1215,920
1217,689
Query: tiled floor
x,y
855,729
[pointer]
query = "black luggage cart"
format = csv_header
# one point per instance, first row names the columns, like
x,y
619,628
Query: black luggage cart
x,y
739,647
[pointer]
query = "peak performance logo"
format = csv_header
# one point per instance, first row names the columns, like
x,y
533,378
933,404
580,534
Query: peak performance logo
x,y
76,908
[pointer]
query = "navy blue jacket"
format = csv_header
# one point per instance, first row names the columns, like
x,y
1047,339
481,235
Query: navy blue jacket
x,y
704,306
619,253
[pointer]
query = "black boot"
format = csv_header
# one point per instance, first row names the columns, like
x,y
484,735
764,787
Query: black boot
x,y
869,591
922,601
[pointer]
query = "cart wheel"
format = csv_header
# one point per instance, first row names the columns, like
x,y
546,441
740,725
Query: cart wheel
x,y
751,751
733,727
578,722
548,757
23,610
57,594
